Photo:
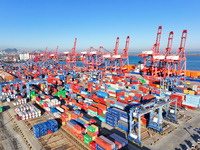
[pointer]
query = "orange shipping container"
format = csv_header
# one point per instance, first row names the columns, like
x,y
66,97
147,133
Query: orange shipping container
x,y
103,143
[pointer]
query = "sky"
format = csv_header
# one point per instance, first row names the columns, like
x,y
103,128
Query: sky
x,y
35,24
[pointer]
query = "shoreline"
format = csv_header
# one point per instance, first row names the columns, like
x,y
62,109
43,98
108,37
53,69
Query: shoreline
x,y
185,55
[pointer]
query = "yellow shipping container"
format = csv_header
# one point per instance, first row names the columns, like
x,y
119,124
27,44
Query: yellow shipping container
x,y
95,127
63,122
94,137
69,116
186,91
191,92
84,120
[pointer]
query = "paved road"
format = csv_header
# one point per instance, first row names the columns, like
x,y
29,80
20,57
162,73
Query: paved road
x,y
183,137
26,132
9,137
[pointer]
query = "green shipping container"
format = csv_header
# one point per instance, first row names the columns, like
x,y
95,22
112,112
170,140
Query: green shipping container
x,y
63,95
91,129
41,102
86,142
87,138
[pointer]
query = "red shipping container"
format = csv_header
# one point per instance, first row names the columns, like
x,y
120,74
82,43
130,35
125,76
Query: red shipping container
x,y
99,111
103,102
148,97
92,145
92,121
100,99
74,116
96,100
101,106
118,144
92,104
66,109
49,132
78,129
102,115
92,108
81,136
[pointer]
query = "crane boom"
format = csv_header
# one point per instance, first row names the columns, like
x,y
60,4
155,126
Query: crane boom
x,y
169,44
156,46
126,46
74,48
46,52
115,51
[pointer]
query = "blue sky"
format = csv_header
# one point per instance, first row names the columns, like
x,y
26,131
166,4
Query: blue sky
x,y
35,24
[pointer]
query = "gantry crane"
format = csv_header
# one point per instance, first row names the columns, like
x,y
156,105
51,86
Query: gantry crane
x,y
168,64
149,64
181,54
43,55
71,56
124,59
54,56
16,81
155,120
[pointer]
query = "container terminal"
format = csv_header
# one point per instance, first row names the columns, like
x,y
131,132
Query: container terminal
x,y
106,104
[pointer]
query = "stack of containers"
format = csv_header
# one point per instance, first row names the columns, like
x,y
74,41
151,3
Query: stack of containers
x,y
196,88
103,143
87,139
121,142
180,96
45,128
36,131
110,102
64,118
20,101
27,111
111,119
93,131
191,101
68,87
102,95
120,105
147,98
92,111
179,89
122,117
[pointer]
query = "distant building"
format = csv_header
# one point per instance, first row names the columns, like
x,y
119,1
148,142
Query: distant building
x,y
24,56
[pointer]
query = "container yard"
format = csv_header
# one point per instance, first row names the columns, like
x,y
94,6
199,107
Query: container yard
x,y
100,106
103,104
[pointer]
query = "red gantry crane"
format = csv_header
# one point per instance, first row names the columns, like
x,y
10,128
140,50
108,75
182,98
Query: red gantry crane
x,y
71,56
150,57
165,65
54,56
178,59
